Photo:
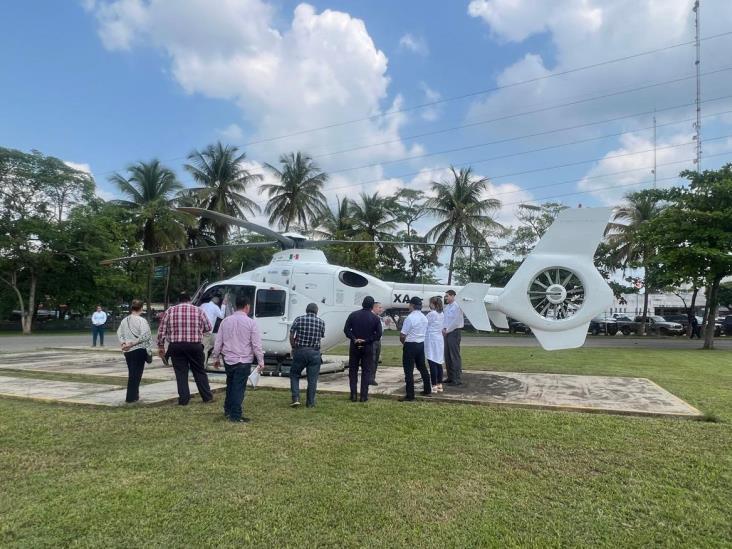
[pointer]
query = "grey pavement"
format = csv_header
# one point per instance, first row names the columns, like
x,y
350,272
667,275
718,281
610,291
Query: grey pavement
x,y
40,341
618,395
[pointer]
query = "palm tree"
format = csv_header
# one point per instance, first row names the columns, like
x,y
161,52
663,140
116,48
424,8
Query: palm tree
x,y
223,180
623,236
374,216
298,197
464,213
149,189
335,222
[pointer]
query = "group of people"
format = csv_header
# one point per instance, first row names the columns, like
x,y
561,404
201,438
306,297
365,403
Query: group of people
x,y
237,345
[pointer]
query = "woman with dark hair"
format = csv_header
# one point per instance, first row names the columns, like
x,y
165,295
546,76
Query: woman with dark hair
x,y
136,343
434,343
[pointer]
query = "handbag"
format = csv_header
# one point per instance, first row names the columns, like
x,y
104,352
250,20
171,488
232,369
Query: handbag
x,y
148,354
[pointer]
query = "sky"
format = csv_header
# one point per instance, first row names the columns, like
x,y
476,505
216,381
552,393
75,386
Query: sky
x,y
105,83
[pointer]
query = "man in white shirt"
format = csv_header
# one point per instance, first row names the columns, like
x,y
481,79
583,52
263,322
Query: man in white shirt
x,y
412,337
99,319
454,322
211,309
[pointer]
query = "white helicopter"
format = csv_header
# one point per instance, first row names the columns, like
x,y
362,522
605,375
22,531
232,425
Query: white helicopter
x,y
556,291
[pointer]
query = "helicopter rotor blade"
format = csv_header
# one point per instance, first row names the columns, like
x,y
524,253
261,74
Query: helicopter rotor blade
x,y
317,243
222,247
229,220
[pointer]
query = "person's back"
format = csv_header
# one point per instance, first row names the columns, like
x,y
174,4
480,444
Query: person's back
x,y
363,328
305,334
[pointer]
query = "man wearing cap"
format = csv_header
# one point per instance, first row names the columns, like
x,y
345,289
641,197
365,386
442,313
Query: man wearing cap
x,y
363,328
412,337
453,325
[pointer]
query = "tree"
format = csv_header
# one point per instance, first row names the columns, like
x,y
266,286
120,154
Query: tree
x,y
410,207
464,213
335,223
34,192
533,223
150,190
219,170
298,197
696,229
725,295
628,245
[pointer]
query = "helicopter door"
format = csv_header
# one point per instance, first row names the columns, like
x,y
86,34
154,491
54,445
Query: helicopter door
x,y
317,287
270,312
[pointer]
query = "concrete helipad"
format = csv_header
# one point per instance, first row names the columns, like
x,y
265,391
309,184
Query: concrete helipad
x,y
619,395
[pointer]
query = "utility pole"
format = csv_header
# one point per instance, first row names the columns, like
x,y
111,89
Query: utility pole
x,y
697,125
654,149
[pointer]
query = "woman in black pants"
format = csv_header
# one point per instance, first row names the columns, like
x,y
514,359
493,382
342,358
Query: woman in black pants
x,y
136,342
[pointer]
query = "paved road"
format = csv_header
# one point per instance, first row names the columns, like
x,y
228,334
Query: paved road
x,y
39,341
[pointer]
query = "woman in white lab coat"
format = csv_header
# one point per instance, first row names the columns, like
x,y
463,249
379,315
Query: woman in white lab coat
x,y
434,343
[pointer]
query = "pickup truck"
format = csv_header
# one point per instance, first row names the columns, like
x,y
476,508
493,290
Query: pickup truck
x,y
656,325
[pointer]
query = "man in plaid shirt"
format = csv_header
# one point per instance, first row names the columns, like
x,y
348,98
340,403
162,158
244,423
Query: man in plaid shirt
x,y
305,335
183,327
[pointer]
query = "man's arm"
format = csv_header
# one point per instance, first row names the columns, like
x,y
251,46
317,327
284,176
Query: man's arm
x,y
348,328
257,346
293,333
206,327
218,347
162,331
405,328
379,329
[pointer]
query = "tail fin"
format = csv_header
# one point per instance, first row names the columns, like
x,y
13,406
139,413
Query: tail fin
x,y
471,301
557,290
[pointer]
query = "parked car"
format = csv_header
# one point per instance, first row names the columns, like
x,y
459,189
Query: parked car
x,y
514,327
684,321
726,325
654,325
603,325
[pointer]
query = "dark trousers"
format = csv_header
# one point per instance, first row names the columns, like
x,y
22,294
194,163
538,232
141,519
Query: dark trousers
x,y
695,331
135,366
98,331
236,387
413,355
377,356
364,357
435,372
453,361
308,359
189,356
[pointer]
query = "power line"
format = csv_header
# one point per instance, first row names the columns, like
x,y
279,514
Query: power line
x,y
488,143
524,113
499,157
485,91
610,187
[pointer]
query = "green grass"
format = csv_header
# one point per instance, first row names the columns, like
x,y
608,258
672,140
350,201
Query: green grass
x,y
381,474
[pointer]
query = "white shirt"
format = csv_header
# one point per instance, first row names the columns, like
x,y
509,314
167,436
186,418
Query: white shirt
x,y
453,317
212,312
99,318
415,327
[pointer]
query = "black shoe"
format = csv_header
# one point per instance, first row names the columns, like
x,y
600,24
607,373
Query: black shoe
x,y
353,398
448,382
373,383
405,399
425,393
209,401
310,406
457,383
240,420
364,399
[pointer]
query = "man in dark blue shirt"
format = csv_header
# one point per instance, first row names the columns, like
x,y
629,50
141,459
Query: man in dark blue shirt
x,y
363,328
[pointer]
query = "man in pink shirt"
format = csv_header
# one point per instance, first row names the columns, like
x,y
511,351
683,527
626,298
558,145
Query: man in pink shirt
x,y
240,343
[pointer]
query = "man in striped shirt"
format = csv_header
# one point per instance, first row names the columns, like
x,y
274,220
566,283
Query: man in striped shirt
x,y
183,327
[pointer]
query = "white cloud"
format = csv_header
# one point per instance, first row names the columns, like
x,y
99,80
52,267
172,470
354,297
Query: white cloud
x,y
605,183
430,114
232,132
80,166
414,44
322,69
584,32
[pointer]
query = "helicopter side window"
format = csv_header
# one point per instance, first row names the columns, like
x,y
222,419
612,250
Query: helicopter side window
x,y
354,280
270,303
